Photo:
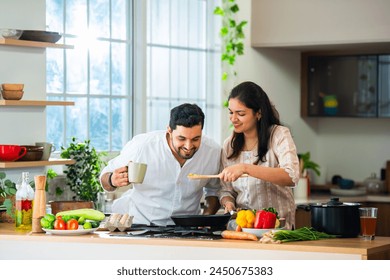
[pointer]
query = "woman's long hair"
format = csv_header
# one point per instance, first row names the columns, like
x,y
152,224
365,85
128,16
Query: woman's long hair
x,y
255,98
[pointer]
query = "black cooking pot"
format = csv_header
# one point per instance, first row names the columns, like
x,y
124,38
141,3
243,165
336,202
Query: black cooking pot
x,y
335,217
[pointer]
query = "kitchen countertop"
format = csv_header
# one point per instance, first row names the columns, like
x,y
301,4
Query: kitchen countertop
x,y
325,197
99,245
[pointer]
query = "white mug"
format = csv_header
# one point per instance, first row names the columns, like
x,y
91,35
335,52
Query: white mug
x,y
48,148
136,172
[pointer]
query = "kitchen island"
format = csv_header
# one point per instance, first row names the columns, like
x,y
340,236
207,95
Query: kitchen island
x,y
101,246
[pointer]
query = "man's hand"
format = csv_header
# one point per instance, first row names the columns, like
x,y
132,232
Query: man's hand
x,y
116,179
211,205
119,177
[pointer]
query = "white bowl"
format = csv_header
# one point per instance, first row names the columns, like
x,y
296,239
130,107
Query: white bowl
x,y
11,33
260,231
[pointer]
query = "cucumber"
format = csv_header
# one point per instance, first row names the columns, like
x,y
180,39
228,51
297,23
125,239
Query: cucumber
x,y
87,213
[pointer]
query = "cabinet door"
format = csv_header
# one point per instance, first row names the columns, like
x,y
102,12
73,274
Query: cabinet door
x,y
302,218
342,86
383,221
384,88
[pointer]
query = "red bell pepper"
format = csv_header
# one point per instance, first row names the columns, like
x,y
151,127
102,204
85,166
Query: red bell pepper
x,y
259,220
266,218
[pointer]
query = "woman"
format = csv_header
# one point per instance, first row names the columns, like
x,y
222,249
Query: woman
x,y
261,148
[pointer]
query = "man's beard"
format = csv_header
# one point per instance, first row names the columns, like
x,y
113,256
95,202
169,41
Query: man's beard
x,y
184,154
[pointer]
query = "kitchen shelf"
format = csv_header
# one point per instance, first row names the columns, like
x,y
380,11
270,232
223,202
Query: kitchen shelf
x,y
35,103
33,44
20,164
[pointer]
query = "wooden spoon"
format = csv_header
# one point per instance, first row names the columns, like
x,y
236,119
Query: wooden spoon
x,y
198,176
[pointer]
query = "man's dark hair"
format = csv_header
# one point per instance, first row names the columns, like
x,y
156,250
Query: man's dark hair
x,y
187,115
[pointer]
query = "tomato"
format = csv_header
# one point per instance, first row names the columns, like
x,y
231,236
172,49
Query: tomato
x,y
59,224
72,224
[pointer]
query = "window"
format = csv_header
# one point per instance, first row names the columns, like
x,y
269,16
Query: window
x,y
183,60
96,74
179,52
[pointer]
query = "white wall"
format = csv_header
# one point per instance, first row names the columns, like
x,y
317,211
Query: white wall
x,y
23,125
352,148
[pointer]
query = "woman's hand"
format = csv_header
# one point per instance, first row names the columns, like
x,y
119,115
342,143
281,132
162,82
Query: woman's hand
x,y
229,206
232,173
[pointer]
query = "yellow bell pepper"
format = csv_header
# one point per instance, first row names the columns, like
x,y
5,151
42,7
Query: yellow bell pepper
x,y
245,218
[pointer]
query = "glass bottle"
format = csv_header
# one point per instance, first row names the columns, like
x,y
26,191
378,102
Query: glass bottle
x,y
24,204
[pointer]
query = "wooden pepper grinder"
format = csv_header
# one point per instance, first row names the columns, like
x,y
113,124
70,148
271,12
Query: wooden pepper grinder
x,y
39,206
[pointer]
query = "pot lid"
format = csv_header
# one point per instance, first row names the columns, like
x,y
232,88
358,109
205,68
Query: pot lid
x,y
335,202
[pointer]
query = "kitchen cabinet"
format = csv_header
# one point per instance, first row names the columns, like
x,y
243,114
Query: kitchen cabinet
x,y
345,84
302,218
317,23
33,103
383,221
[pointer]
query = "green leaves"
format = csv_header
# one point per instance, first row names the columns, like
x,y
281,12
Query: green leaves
x,y
7,187
232,34
7,190
308,164
219,11
83,176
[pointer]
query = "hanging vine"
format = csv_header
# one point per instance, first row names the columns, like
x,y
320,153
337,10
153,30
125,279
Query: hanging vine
x,y
232,35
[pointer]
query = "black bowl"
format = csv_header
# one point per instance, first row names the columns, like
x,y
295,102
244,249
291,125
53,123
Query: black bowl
x,y
346,184
40,36
33,153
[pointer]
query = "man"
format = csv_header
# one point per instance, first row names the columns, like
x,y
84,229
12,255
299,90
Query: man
x,y
170,156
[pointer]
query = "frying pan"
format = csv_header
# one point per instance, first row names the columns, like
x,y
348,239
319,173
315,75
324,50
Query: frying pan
x,y
201,220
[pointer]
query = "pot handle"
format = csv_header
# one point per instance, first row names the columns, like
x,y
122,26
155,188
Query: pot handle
x,y
305,207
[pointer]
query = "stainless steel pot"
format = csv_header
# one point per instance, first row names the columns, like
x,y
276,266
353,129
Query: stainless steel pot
x,y
335,217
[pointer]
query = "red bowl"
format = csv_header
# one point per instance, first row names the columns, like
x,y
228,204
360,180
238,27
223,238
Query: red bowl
x,y
11,152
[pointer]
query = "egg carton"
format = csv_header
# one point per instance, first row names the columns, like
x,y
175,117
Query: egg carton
x,y
121,222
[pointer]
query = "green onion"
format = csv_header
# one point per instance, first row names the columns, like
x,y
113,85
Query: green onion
x,y
300,234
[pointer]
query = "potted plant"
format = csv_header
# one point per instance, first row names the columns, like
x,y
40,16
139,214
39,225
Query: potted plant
x,y
82,177
305,164
302,190
7,198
